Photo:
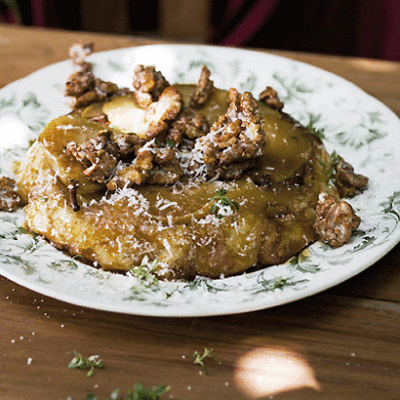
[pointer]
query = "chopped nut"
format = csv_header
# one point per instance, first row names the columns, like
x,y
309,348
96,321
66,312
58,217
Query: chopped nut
x,y
269,97
9,197
98,155
128,144
189,125
235,137
335,221
79,83
347,181
203,90
149,85
79,51
162,112
153,165
165,174
82,85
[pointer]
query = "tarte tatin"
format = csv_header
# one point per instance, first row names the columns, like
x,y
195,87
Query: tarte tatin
x,y
201,180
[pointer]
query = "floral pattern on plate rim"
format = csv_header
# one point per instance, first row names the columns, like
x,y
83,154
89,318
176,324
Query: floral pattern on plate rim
x,y
357,126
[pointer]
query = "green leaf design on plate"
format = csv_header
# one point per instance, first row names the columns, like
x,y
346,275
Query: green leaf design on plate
x,y
27,266
33,113
392,204
142,294
32,100
198,65
207,284
347,140
115,66
375,117
272,284
294,88
63,265
5,103
249,84
366,241
301,262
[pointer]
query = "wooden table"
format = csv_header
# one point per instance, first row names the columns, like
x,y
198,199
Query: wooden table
x,y
341,344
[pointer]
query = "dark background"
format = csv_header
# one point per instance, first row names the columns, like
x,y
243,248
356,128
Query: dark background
x,y
342,27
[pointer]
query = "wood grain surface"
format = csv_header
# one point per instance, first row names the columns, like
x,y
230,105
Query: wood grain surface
x,y
341,344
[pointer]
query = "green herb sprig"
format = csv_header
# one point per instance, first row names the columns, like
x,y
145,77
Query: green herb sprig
x,y
319,132
138,392
145,272
171,143
335,159
199,359
81,362
220,199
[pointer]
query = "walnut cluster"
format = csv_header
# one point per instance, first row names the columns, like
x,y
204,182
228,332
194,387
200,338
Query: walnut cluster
x,y
99,156
347,181
224,149
237,136
127,160
203,89
335,221
269,96
82,85
153,165
149,84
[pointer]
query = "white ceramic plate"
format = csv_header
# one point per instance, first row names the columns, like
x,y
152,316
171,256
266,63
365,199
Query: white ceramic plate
x,y
357,126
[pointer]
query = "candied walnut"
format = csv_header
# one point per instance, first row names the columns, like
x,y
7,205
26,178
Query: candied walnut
x,y
97,155
127,176
161,113
231,171
335,221
269,96
148,84
82,85
154,165
174,135
237,136
203,90
79,51
100,91
189,125
86,89
9,197
347,181
166,174
128,144
105,88
79,83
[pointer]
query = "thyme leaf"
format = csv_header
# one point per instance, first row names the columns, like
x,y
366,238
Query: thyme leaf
x,y
335,159
145,272
138,392
220,202
81,362
171,143
319,132
199,359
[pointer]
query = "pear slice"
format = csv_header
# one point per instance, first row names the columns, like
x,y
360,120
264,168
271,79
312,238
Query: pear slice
x,y
54,139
